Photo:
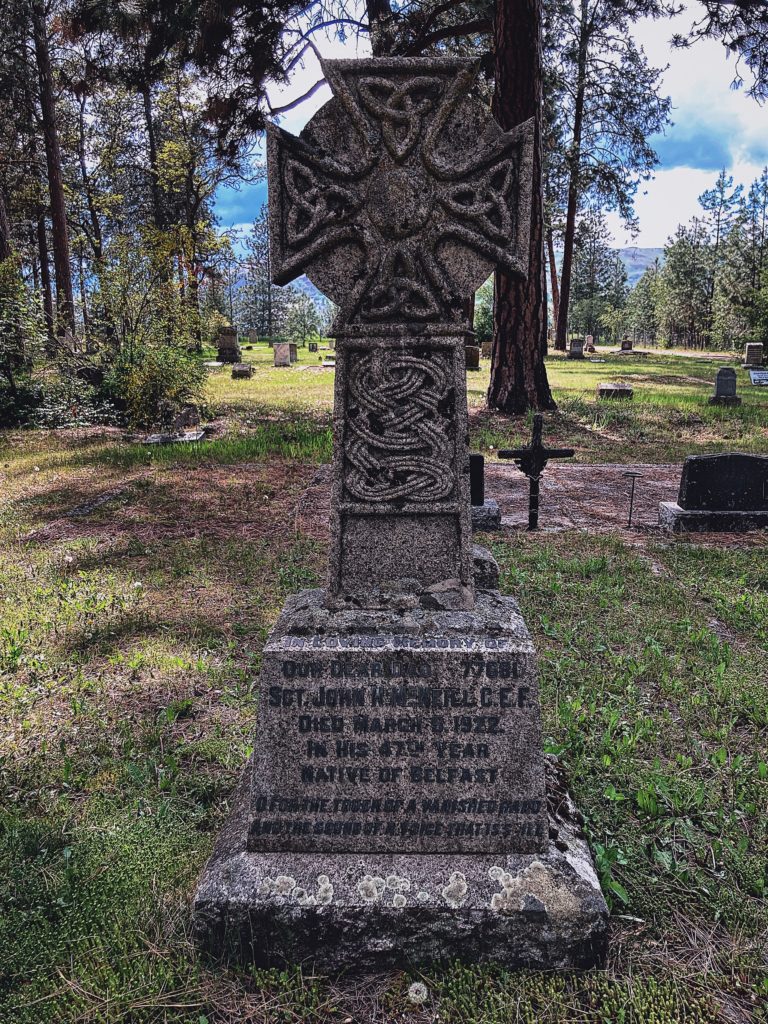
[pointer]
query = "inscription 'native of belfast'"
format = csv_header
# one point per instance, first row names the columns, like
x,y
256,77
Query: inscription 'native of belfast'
x,y
398,200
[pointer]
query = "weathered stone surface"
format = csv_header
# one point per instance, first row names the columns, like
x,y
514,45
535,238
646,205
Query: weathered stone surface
x,y
401,195
486,516
486,568
731,481
401,732
294,350
486,349
614,390
364,912
253,336
228,346
753,354
242,371
472,357
282,353
626,343
400,518
725,388
398,199
576,348
312,346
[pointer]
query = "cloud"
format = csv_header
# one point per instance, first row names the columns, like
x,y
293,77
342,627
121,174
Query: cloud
x,y
234,206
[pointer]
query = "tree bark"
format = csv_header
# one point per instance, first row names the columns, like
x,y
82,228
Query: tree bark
x,y
5,230
574,161
45,281
149,123
554,289
380,27
64,294
518,374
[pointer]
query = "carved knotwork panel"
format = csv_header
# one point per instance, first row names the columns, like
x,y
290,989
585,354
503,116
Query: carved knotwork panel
x,y
401,194
399,441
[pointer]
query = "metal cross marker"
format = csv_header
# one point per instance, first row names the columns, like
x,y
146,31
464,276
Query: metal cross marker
x,y
532,461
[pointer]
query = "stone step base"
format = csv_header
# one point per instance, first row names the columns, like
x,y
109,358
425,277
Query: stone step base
x,y
681,520
368,912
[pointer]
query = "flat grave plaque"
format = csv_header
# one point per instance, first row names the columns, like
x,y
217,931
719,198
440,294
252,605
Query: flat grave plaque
x,y
759,378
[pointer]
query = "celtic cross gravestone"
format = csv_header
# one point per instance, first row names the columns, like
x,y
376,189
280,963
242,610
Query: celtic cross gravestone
x,y
397,201
396,808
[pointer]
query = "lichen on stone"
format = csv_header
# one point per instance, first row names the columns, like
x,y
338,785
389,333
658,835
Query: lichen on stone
x,y
455,892
398,900
534,889
398,884
371,888
284,884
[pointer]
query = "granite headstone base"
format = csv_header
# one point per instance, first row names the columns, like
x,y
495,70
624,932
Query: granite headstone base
x,y
357,912
682,520
486,516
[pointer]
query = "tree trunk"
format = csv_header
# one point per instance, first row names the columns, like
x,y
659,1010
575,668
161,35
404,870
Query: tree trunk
x,y
574,161
95,237
518,374
5,230
149,124
65,302
555,290
380,28
45,281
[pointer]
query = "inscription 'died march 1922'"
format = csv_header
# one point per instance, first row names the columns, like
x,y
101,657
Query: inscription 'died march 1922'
x,y
384,749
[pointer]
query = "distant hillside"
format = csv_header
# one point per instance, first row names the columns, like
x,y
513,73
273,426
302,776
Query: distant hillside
x,y
638,260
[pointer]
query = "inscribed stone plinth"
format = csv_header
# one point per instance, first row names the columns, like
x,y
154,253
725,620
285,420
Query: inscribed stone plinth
x,y
753,354
242,371
398,743
725,388
719,493
282,353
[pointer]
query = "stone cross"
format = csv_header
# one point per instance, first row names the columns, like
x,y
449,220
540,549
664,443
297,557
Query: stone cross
x,y
397,200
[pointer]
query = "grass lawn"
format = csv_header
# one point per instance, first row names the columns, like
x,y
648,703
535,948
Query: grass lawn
x,y
137,588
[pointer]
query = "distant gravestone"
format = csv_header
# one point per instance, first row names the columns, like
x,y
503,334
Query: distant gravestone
x,y
282,353
396,809
242,371
615,391
759,378
229,349
589,343
486,514
719,493
294,351
486,349
312,346
725,388
626,343
576,348
253,336
753,354
472,357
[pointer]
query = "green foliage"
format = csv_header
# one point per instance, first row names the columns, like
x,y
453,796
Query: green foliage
x,y
302,319
484,311
21,329
156,383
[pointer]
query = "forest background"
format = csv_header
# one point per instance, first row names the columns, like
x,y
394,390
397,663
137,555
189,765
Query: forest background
x,y
121,124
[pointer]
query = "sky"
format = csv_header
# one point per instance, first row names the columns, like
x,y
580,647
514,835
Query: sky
x,y
714,127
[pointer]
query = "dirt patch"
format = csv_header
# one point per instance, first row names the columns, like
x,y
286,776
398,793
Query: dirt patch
x,y
593,498
242,501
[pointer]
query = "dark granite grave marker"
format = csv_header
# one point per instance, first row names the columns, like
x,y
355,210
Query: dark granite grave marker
x,y
719,493
725,388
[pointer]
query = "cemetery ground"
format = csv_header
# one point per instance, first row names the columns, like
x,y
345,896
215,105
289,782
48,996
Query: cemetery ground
x,y
137,588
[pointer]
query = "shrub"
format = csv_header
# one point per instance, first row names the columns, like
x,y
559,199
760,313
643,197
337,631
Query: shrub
x,y
157,384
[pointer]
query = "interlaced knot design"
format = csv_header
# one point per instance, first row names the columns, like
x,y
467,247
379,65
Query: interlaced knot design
x,y
398,446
